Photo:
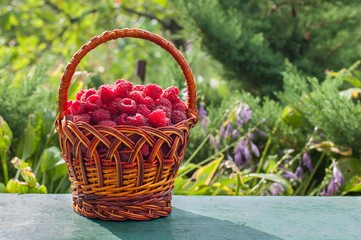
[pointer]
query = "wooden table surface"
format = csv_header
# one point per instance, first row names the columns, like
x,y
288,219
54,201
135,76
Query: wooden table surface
x,y
193,217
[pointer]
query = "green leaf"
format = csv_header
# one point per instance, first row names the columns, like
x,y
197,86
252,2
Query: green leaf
x,y
205,174
50,158
2,188
351,171
275,178
6,136
29,142
16,186
291,117
28,176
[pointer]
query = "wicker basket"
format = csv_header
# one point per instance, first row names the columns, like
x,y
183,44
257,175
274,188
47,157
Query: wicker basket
x,y
119,184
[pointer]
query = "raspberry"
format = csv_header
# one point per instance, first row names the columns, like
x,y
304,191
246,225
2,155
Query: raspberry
x,y
138,88
180,106
108,123
137,96
95,99
153,91
145,149
158,118
168,112
68,107
77,107
87,94
164,102
122,119
106,93
171,93
148,101
137,120
101,115
123,88
178,116
128,106
82,118
142,109
79,94
93,103
115,106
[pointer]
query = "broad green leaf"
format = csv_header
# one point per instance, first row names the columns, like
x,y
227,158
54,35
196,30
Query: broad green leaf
x,y
2,188
6,136
274,178
291,117
30,141
50,158
186,168
351,171
205,174
60,170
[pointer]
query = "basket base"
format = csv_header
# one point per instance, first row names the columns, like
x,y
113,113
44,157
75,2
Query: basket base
x,y
120,210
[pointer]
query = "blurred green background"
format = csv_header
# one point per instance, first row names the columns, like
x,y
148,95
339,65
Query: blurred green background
x,y
278,83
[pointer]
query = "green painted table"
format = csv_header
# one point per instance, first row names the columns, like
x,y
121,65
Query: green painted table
x,y
51,217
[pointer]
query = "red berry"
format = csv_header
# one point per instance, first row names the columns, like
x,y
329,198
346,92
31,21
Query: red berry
x,y
168,112
123,88
145,149
78,107
138,88
137,120
122,119
115,106
171,93
158,118
68,107
128,106
178,116
153,91
79,94
137,96
180,106
82,118
108,123
164,102
101,115
106,93
149,102
88,93
95,99
142,109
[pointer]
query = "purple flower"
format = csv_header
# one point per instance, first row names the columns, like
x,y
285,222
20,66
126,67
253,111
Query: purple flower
x,y
212,141
203,116
337,175
222,132
244,114
228,130
254,149
235,134
336,182
306,161
289,175
276,189
299,173
247,155
238,158
218,143
261,133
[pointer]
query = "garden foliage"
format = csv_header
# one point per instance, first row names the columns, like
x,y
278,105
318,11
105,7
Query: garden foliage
x,y
288,125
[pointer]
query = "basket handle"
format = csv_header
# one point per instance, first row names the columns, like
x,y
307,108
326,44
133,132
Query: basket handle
x,y
128,33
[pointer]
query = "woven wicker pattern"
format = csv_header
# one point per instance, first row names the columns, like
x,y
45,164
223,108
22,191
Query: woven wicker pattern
x,y
111,179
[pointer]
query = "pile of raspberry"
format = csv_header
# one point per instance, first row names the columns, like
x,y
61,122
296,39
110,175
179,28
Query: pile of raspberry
x,y
128,104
